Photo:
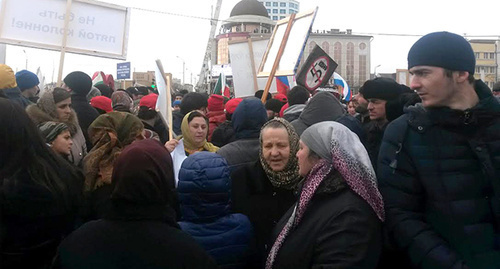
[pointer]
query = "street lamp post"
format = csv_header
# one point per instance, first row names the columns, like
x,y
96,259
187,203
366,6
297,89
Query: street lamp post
x,y
26,55
183,69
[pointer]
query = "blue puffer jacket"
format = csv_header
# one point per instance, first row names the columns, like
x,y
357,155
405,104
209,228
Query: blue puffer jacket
x,y
205,195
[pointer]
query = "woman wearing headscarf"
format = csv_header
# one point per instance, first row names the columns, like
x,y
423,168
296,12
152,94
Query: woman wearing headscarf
x,y
40,193
194,129
121,101
265,190
55,105
139,230
110,133
336,223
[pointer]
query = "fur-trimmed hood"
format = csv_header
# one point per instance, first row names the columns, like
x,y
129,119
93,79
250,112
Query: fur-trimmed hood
x,y
45,110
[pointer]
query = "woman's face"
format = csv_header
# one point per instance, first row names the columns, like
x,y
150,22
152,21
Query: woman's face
x,y
275,148
306,162
199,129
62,144
63,110
351,109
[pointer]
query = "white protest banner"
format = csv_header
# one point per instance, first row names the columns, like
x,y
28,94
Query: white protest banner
x,y
295,43
241,64
95,28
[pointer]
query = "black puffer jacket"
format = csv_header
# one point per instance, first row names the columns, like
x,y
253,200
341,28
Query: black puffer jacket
x,y
440,180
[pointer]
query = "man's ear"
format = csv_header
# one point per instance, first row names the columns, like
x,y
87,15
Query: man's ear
x,y
462,76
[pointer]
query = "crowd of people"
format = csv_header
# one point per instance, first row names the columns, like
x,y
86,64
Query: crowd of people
x,y
397,177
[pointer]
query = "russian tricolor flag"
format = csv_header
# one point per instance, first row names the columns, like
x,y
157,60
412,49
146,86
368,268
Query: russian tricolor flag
x,y
282,85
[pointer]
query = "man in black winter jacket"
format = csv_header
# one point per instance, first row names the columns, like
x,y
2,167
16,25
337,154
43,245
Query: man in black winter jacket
x,y
80,84
439,164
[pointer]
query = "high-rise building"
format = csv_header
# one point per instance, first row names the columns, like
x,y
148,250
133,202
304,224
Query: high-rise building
x,y
279,9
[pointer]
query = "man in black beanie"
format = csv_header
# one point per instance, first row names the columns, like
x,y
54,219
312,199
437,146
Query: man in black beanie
x,y
80,84
439,163
378,92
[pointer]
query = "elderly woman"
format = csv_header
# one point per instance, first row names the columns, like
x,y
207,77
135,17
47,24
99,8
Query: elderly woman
x,y
110,133
55,106
336,222
265,190
194,129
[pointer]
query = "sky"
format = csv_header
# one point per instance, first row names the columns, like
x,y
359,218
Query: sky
x,y
157,34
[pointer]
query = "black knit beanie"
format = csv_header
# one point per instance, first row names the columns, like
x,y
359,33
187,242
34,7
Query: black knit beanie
x,y
381,88
274,105
443,49
79,82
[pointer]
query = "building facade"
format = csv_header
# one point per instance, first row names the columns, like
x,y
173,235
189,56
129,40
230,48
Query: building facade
x,y
248,19
279,9
351,53
486,52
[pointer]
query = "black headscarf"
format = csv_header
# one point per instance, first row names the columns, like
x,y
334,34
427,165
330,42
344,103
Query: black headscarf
x,y
143,183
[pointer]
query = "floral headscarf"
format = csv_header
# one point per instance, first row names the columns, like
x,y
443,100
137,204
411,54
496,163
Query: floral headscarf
x,y
289,176
109,134
339,149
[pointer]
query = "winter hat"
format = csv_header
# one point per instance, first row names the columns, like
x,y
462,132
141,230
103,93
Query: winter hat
x,y
79,82
102,102
26,80
298,95
443,49
60,94
7,77
176,103
274,105
381,88
215,103
281,97
105,90
51,129
231,105
149,101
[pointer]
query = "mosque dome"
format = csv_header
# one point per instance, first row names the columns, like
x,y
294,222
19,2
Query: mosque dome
x,y
249,7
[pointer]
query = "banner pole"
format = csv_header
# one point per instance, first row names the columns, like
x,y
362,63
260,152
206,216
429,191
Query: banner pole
x,y
64,41
278,57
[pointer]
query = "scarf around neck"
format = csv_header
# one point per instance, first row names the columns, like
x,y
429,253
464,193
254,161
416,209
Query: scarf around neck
x,y
289,176
339,149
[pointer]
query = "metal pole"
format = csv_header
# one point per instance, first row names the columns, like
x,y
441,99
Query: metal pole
x,y
183,72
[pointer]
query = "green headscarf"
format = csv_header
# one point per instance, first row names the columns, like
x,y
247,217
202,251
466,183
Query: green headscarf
x,y
109,133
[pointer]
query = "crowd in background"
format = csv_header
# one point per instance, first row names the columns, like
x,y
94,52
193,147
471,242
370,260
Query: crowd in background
x,y
396,177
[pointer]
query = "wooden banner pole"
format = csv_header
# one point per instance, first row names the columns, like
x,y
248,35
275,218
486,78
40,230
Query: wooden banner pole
x,y
278,58
252,60
169,97
64,41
